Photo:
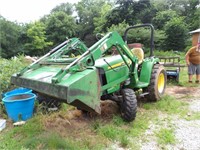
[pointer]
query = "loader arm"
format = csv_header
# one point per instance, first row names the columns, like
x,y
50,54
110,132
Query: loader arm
x,y
96,51
73,43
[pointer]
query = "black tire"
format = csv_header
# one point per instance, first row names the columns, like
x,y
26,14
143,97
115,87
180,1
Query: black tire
x,y
48,102
157,84
128,106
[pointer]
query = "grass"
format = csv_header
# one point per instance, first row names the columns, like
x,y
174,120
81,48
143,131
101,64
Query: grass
x,y
18,135
50,140
165,136
169,105
193,116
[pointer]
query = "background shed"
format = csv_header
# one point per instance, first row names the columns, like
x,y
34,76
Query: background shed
x,y
195,36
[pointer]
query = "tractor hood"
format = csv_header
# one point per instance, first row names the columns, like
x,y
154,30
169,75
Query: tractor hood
x,y
81,89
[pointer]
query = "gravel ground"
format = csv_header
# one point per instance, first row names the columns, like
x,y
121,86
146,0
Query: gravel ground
x,y
187,133
195,105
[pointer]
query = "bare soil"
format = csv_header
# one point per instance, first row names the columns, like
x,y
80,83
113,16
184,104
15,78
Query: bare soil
x,y
183,92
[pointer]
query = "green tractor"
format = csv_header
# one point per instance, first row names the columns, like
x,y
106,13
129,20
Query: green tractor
x,y
82,77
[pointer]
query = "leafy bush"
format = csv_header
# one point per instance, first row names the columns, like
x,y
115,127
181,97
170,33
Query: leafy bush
x,y
176,33
8,68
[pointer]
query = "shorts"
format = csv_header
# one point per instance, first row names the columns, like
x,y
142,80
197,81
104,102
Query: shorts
x,y
194,69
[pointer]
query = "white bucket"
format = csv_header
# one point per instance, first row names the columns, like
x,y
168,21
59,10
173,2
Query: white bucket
x,y
2,124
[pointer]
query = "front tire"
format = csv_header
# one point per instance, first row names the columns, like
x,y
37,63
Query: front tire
x,y
128,105
157,84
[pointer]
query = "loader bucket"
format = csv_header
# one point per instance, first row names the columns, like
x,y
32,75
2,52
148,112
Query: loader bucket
x,y
80,89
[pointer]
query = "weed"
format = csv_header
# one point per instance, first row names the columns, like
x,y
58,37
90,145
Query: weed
x,y
8,68
109,131
118,121
124,140
165,136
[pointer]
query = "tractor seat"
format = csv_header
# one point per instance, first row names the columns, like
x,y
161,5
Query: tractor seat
x,y
139,53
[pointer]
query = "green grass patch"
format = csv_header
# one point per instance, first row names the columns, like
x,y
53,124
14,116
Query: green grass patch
x,y
15,137
168,104
193,116
123,132
165,136
109,131
51,141
140,125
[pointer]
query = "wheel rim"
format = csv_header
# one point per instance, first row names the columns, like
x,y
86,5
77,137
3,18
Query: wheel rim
x,y
161,82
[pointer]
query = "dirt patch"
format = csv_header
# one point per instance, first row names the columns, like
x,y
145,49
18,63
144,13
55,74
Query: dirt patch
x,y
66,124
74,121
183,92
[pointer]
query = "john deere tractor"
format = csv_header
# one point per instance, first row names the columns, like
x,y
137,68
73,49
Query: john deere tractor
x,y
82,76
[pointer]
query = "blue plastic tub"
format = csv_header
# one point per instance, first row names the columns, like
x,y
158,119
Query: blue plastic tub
x,y
17,91
19,107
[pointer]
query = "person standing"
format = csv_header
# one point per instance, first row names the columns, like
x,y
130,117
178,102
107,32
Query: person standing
x,y
192,58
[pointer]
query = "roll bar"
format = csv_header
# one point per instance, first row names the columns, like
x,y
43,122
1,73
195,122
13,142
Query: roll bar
x,y
151,38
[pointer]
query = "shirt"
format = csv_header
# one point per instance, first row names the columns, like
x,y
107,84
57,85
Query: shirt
x,y
194,55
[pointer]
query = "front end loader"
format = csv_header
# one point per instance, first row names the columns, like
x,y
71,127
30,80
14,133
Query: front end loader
x,y
82,77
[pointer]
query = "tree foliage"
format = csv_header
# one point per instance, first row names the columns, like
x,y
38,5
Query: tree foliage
x,y
64,7
10,33
163,17
100,21
176,33
172,20
88,10
37,39
60,26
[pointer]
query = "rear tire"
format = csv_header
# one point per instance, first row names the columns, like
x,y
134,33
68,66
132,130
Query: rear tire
x,y
128,105
157,84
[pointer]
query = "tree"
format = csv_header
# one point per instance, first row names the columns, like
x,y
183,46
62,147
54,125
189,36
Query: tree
x,y
88,10
37,39
122,11
64,7
143,11
187,8
132,12
100,21
163,17
59,25
176,34
9,38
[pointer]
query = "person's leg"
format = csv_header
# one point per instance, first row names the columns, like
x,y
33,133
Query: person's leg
x,y
198,74
190,72
198,78
190,78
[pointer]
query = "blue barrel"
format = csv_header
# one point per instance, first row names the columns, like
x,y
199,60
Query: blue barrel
x,y
20,106
17,91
